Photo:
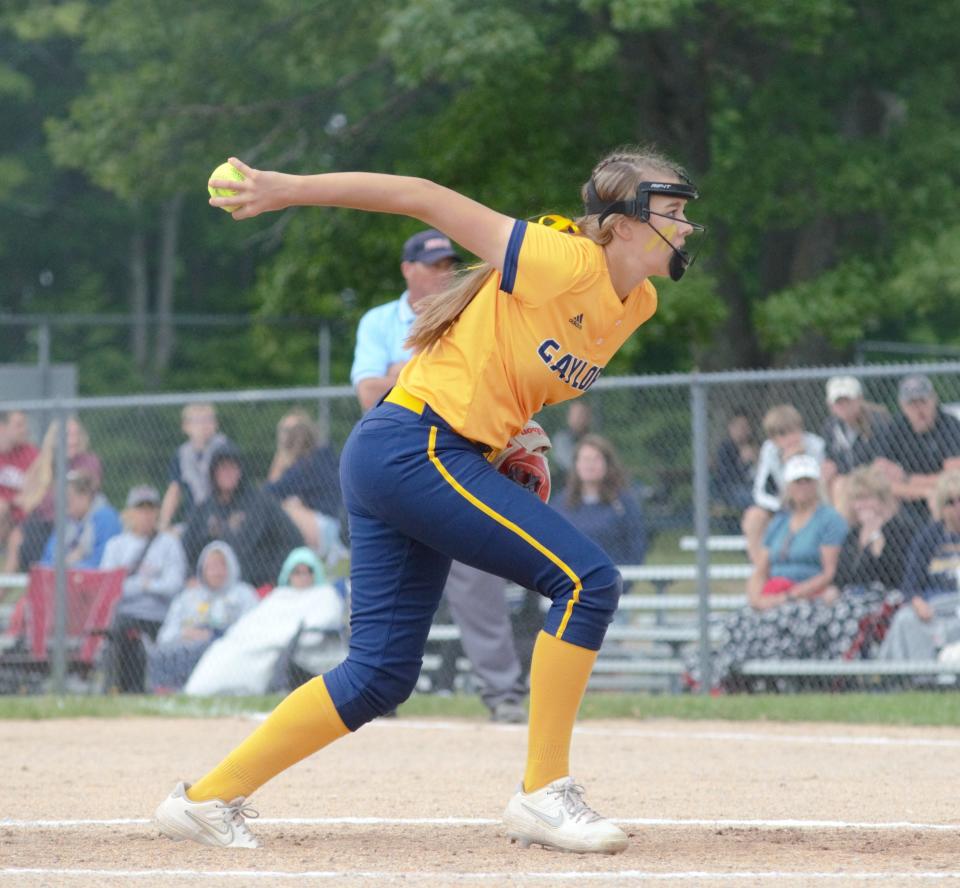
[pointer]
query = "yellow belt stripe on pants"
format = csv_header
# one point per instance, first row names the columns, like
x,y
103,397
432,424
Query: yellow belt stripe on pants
x,y
519,531
402,398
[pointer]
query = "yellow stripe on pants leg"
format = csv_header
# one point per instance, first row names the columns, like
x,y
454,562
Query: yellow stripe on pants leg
x,y
506,522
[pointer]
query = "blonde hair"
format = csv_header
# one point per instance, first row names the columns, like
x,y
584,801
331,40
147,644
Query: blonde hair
x,y
614,178
867,481
781,419
948,487
39,476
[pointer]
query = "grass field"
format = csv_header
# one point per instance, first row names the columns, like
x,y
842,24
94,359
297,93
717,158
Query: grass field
x,y
934,709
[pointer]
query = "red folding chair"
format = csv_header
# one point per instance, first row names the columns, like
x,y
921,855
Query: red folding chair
x,y
92,596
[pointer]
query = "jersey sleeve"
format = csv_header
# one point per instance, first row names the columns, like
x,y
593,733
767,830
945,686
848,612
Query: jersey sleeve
x,y
765,475
541,262
371,357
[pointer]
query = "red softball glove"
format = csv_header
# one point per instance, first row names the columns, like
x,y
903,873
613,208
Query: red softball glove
x,y
524,460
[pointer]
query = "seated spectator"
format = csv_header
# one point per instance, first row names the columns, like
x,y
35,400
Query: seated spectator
x,y
598,502
564,442
246,658
852,616
797,565
189,474
305,477
735,464
252,523
17,454
198,616
930,620
36,500
849,433
91,523
156,570
783,426
801,546
917,447
875,550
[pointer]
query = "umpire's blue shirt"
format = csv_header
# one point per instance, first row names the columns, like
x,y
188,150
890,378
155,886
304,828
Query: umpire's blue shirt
x,y
380,337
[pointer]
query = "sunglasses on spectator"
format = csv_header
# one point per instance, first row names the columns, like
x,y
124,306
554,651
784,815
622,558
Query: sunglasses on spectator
x,y
953,501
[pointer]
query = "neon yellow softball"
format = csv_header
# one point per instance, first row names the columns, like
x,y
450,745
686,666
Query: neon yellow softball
x,y
225,171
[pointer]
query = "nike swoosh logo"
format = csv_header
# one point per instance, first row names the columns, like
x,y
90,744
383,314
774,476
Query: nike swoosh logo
x,y
554,820
224,836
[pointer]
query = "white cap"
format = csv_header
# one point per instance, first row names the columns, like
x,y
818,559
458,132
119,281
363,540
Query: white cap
x,y
801,466
843,387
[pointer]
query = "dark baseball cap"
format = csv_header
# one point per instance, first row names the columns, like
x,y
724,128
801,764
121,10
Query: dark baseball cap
x,y
429,247
916,388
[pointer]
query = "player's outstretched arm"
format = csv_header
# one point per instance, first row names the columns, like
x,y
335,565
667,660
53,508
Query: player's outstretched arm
x,y
479,229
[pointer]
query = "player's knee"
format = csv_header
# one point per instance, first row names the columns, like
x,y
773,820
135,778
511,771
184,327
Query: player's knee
x,y
393,688
603,587
363,691
386,688
599,588
583,619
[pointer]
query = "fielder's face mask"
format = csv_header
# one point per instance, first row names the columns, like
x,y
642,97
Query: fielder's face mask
x,y
638,207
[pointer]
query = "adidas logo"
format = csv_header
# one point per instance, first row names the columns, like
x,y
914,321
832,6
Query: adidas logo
x,y
577,321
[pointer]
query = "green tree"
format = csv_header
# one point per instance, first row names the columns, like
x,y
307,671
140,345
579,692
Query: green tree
x,y
822,135
58,230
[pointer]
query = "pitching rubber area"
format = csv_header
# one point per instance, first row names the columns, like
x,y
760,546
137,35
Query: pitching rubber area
x,y
417,803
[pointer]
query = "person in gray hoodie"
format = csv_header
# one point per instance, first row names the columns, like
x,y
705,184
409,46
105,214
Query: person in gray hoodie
x,y
199,615
156,570
304,604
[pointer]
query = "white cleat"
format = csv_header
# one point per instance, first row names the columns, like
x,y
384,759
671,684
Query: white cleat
x,y
213,822
556,816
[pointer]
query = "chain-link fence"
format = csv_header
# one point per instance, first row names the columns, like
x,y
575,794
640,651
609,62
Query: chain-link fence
x,y
198,543
199,503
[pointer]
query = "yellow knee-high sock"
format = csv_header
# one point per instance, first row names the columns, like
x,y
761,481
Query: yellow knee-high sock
x,y
304,722
558,677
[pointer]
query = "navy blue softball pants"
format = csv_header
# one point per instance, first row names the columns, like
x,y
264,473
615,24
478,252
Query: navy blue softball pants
x,y
418,495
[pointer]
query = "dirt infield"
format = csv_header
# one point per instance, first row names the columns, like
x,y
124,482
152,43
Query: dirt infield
x,y
705,803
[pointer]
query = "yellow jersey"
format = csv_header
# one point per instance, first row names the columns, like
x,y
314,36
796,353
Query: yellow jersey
x,y
539,332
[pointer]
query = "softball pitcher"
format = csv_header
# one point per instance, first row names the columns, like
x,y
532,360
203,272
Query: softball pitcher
x,y
535,324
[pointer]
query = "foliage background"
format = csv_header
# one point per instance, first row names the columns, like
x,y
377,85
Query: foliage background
x,y
823,134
